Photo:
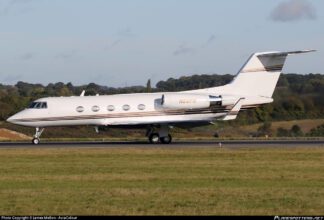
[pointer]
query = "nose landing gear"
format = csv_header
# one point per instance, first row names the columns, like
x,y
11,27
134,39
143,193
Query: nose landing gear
x,y
37,136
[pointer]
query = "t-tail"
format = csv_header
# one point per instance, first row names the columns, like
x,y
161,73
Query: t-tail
x,y
254,83
260,74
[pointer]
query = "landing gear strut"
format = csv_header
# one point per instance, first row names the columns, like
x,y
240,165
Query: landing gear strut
x,y
37,135
162,136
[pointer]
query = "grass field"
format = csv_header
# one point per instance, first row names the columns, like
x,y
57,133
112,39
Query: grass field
x,y
159,181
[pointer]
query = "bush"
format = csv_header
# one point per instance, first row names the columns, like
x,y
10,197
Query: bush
x,y
265,129
316,132
295,131
281,132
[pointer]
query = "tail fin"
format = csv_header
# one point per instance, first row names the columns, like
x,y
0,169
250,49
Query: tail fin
x,y
260,74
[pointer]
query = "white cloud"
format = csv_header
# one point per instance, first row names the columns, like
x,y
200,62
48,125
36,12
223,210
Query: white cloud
x,y
293,10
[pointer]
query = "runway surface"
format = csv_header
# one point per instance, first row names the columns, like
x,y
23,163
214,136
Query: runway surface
x,y
175,144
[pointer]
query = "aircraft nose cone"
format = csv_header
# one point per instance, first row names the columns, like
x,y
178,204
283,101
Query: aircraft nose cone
x,y
10,119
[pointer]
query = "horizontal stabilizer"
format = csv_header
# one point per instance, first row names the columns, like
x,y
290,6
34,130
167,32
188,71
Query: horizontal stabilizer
x,y
270,54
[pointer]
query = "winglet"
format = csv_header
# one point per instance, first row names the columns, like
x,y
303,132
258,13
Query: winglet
x,y
82,93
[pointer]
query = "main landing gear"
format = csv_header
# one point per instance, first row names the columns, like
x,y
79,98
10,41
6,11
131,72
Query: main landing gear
x,y
162,136
37,135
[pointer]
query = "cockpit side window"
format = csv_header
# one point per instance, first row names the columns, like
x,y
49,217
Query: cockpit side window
x,y
32,105
44,105
38,105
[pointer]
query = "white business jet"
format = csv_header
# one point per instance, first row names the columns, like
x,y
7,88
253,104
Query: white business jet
x,y
253,85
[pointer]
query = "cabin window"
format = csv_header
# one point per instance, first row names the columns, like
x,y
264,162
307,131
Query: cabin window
x,y
141,107
95,108
80,109
126,107
111,108
38,105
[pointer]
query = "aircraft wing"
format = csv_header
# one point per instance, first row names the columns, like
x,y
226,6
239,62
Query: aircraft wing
x,y
232,114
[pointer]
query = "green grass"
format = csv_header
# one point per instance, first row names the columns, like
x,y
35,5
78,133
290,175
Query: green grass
x,y
159,181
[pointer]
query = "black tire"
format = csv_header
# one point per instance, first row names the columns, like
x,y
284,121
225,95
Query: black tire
x,y
154,138
35,141
166,140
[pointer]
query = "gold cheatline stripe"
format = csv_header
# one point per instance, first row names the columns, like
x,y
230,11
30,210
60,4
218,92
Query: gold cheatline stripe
x,y
123,115
233,113
265,68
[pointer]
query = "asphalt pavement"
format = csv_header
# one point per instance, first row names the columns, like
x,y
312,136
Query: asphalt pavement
x,y
174,144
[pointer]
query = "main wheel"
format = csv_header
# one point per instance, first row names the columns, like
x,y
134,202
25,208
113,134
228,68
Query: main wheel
x,y
35,141
154,138
166,140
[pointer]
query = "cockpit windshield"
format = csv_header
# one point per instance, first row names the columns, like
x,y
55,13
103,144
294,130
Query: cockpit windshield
x,y
38,105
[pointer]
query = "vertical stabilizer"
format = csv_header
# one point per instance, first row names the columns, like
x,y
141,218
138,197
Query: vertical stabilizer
x,y
260,74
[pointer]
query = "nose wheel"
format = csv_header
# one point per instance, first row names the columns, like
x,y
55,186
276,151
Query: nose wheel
x,y
37,136
35,141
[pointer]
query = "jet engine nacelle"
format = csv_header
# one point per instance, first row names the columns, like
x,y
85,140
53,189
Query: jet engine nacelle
x,y
190,101
228,100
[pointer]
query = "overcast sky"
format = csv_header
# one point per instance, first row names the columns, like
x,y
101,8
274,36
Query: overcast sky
x,y
126,42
